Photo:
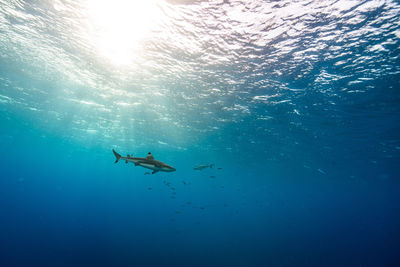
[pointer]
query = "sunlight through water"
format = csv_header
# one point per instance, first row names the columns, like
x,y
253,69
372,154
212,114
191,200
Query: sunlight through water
x,y
291,108
179,71
117,27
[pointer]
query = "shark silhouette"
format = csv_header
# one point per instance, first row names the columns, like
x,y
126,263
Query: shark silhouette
x,y
148,162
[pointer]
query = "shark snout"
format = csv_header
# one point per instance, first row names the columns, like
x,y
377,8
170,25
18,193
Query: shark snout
x,y
172,169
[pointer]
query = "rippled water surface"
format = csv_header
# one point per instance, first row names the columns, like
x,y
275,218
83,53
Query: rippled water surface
x,y
297,103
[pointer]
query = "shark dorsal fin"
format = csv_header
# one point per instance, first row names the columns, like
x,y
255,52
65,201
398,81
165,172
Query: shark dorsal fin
x,y
149,156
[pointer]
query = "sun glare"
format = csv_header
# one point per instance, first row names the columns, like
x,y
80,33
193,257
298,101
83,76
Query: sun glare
x,y
116,27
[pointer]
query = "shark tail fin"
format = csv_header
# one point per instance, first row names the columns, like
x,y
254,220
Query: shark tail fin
x,y
118,156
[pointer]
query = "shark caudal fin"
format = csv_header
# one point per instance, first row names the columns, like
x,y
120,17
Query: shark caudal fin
x,y
118,156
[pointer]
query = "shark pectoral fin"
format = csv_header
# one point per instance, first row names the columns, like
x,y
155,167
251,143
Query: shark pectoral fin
x,y
154,172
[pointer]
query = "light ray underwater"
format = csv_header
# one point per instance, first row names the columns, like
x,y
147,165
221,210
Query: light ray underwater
x,y
199,133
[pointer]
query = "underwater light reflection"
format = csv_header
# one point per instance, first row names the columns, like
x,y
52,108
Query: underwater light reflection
x,y
117,27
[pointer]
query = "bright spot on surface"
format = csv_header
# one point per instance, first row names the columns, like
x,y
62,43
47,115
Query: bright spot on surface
x,y
116,27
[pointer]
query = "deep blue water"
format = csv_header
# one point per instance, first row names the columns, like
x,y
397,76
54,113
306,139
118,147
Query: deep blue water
x,y
297,103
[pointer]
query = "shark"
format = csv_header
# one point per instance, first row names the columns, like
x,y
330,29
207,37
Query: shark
x,y
202,167
148,162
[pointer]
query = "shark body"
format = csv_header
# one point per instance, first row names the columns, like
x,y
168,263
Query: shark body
x,y
148,162
202,167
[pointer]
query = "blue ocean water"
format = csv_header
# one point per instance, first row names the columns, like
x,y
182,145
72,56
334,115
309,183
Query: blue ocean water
x,y
297,103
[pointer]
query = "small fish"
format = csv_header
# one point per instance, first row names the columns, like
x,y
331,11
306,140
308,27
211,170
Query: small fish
x,y
219,168
149,188
146,173
321,171
212,176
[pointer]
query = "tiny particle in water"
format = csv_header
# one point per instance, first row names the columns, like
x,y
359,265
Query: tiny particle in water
x,y
184,182
173,188
202,208
146,173
149,188
321,171
177,212
219,168
212,176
